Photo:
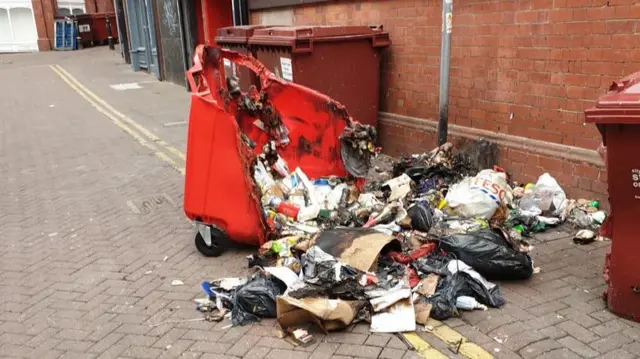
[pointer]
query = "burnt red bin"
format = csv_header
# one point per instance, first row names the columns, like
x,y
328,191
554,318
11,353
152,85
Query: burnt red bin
x,y
219,189
236,38
617,115
340,61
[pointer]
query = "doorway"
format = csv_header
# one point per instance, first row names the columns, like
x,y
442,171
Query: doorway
x,y
144,48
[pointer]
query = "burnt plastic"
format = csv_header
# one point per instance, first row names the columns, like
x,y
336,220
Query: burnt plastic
x,y
617,115
340,61
236,38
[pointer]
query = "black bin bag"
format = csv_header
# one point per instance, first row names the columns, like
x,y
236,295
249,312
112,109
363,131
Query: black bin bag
x,y
489,254
452,286
256,300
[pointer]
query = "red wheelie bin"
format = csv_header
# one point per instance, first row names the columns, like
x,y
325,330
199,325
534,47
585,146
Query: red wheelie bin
x,y
220,194
617,115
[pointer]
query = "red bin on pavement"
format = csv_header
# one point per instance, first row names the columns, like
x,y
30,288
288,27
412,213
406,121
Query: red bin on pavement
x,y
92,28
340,61
236,38
617,116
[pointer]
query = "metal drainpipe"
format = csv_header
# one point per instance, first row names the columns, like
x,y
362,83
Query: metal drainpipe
x,y
234,12
239,12
445,61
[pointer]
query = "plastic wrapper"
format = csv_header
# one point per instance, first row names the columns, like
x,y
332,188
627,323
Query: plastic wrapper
x,y
423,251
489,254
333,198
256,299
584,236
547,197
398,187
325,276
449,226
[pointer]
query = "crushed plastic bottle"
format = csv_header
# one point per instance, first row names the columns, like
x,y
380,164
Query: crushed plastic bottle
x,y
469,303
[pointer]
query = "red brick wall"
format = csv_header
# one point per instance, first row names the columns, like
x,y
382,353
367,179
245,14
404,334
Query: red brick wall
x,y
524,68
43,11
103,6
545,61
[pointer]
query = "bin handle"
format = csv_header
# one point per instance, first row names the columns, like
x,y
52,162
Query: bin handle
x,y
302,46
635,289
381,40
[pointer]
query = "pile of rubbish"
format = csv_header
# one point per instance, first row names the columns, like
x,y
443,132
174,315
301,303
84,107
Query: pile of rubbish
x,y
423,243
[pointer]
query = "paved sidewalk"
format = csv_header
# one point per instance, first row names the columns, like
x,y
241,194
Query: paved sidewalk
x,y
84,273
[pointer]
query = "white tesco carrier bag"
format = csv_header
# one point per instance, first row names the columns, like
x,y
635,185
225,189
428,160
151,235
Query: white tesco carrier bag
x,y
480,196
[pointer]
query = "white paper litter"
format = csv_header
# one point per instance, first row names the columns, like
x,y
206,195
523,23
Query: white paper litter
x,y
400,317
287,276
390,298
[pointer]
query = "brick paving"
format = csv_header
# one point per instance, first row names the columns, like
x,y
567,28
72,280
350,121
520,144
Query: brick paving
x,y
83,276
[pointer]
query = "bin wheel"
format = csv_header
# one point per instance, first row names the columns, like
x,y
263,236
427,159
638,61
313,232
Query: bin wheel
x,y
219,243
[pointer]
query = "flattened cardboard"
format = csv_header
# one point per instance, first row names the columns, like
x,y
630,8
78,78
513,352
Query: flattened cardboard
x,y
329,314
359,248
427,288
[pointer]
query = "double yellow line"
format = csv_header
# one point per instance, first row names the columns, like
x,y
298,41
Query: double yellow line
x,y
143,136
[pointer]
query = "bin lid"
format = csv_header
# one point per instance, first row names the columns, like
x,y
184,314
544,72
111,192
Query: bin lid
x,y
288,35
621,105
236,34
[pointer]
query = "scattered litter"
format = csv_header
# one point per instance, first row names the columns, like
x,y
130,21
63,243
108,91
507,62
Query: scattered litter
x,y
469,303
231,283
501,339
177,282
53,234
584,236
148,272
419,241
165,258
126,86
302,337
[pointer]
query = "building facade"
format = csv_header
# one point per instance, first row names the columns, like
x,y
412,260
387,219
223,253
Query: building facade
x,y
27,25
163,34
